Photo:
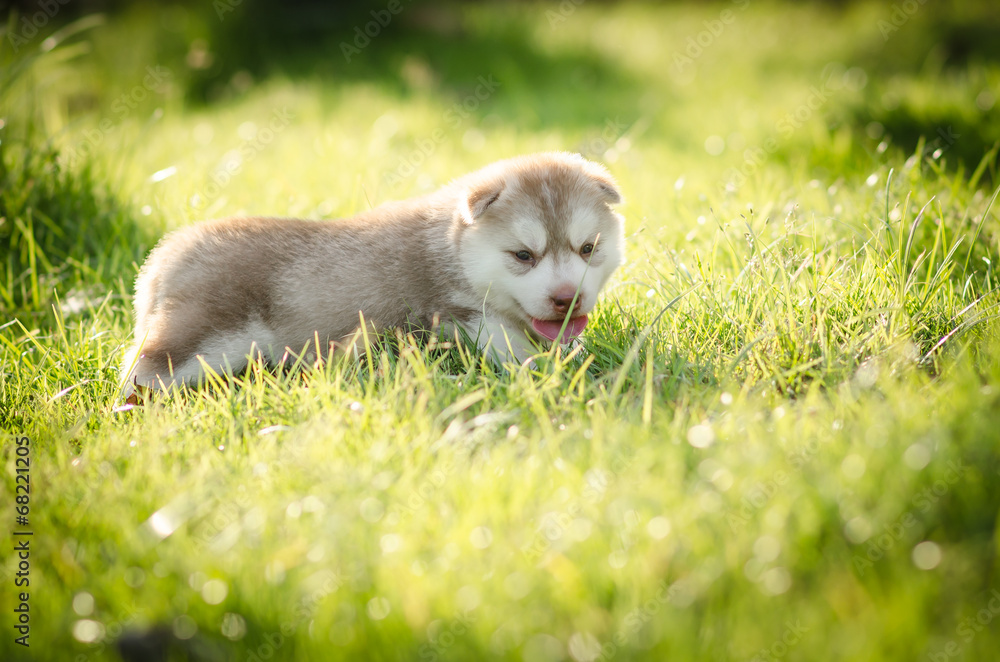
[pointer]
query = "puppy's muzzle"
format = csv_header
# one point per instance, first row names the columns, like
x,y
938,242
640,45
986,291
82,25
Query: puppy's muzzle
x,y
562,302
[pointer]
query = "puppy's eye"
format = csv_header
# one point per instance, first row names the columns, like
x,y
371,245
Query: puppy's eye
x,y
587,249
524,256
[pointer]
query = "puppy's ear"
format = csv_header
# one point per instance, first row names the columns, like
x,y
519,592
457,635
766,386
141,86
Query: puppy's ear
x,y
480,198
605,182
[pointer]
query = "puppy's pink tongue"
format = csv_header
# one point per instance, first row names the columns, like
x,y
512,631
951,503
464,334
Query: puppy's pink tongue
x,y
550,328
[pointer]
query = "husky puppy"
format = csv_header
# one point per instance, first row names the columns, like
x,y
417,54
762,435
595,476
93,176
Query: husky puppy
x,y
512,254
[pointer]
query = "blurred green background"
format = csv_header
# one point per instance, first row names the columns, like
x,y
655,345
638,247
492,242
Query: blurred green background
x,y
777,442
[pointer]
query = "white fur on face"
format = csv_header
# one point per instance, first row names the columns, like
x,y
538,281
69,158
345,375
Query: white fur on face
x,y
519,292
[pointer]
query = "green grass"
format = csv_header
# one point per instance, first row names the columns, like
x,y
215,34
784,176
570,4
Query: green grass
x,y
780,434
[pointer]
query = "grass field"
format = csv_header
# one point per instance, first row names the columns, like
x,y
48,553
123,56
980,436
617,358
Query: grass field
x,y
780,438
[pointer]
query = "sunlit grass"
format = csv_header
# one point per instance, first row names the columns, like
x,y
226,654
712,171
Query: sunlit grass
x,y
784,396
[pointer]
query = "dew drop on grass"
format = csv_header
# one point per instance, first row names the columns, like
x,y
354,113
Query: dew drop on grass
x,y
372,509
985,100
473,140
926,555
766,548
383,480
185,627
467,598
917,456
196,580
312,504
83,603
385,127
481,537
294,510
858,530
853,466
580,529
753,568
247,131
658,528
776,581
88,631
378,608
715,145
390,543
710,501
701,436
617,560
234,626
583,647
214,591
517,585
543,648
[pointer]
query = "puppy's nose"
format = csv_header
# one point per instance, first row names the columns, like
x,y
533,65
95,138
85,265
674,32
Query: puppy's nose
x,y
563,299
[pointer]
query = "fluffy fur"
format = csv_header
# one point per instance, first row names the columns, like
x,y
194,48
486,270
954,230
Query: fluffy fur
x,y
507,253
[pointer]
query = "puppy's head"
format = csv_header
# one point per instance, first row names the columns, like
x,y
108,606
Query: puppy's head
x,y
539,239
